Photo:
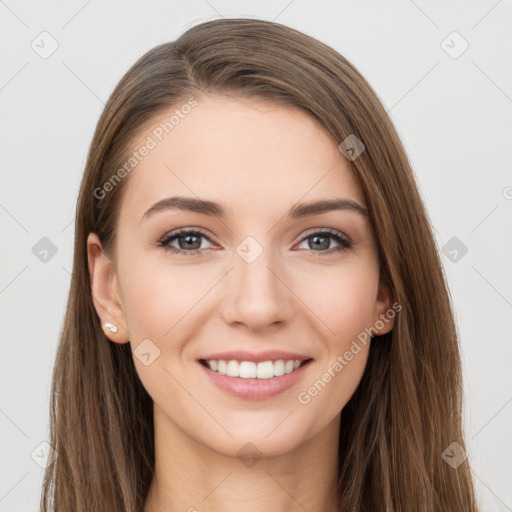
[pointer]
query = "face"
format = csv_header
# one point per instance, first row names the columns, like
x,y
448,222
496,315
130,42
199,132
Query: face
x,y
257,281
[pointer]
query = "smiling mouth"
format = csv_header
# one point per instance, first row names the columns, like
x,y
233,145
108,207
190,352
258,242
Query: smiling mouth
x,y
252,370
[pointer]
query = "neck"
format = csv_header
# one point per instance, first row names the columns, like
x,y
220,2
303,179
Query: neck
x,y
192,477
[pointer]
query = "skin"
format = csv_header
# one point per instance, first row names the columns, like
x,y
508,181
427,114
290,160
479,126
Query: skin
x,y
264,158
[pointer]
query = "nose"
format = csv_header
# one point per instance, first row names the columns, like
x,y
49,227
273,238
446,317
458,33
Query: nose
x,y
256,294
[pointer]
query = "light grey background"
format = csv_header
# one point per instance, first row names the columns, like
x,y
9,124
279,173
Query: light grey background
x,y
454,116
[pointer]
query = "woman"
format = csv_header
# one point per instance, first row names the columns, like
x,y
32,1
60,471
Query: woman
x,y
258,317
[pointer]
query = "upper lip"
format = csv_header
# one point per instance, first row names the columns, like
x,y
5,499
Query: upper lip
x,y
257,357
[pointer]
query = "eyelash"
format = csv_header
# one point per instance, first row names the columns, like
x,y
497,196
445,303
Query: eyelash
x,y
344,242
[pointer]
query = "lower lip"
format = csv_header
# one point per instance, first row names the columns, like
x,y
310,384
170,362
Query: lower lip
x,y
256,389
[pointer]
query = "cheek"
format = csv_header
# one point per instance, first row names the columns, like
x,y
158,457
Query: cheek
x,y
344,298
157,297
158,305
345,302
340,379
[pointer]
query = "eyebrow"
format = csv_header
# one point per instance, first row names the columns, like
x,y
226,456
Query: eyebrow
x,y
214,209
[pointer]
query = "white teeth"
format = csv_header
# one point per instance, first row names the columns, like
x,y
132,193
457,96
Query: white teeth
x,y
247,370
279,368
222,367
265,370
233,369
252,370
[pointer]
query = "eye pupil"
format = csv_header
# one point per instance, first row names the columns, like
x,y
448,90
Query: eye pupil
x,y
188,244
325,244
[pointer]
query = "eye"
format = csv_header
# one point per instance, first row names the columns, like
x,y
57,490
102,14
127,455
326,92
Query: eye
x,y
322,240
192,240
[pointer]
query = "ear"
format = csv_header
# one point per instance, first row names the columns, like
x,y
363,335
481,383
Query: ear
x,y
105,290
385,310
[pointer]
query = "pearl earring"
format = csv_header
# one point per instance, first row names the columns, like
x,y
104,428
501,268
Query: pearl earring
x,y
111,327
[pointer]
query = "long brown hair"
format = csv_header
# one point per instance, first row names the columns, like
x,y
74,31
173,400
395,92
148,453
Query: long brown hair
x,y
406,410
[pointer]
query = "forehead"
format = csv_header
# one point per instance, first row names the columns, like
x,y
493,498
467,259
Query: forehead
x,y
245,153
